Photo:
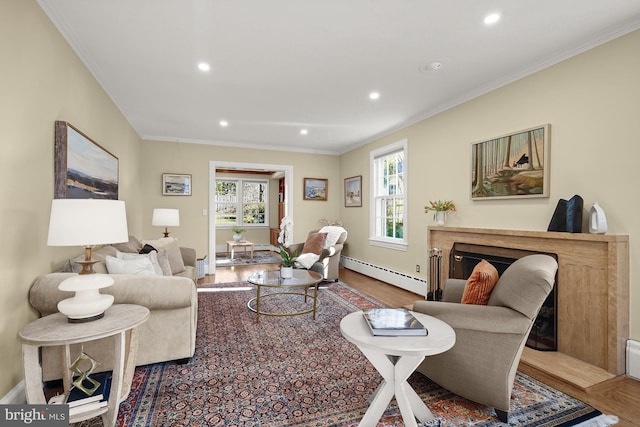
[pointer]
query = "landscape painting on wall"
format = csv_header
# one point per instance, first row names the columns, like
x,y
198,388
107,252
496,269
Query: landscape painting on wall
x,y
511,166
83,169
315,189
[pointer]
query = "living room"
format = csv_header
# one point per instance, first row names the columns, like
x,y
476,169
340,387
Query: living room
x,y
590,100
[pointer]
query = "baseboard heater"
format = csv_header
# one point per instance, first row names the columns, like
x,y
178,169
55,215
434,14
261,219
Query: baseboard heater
x,y
401,280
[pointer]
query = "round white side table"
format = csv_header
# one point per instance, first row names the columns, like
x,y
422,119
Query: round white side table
x,y
395,358
120,322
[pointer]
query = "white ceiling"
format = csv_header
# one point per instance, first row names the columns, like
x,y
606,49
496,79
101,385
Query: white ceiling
x,y
279,66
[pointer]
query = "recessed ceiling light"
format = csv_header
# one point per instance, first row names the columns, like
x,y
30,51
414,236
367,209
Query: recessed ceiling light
x,y
304,132
374,95
492,18
224,123
203,66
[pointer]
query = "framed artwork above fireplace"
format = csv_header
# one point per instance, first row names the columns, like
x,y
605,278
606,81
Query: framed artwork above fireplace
x,y
514,165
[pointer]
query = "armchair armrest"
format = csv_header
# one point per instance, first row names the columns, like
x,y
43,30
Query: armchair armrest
x,y
189,256
482,318
453,290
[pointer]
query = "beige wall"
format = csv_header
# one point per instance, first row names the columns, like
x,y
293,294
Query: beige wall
x,y
592,102
41,81
161,157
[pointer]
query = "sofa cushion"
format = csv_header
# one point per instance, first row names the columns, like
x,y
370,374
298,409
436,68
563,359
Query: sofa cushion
x,y
151,256
314,243
139,266
173,252
132,246
480,284
163,260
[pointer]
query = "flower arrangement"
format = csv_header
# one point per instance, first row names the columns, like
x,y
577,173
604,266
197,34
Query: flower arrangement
x,y
440,206
288,260
285,237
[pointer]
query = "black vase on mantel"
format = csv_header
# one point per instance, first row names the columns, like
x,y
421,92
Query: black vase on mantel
x,y
567,216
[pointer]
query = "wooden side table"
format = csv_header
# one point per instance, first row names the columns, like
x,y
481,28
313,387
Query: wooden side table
x,y
395,358
232,244
120,322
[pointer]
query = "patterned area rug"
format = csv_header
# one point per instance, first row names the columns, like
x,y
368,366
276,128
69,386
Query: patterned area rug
x,y
294,371
240,258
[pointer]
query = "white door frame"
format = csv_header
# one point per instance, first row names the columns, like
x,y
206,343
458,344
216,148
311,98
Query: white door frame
x,y
213,165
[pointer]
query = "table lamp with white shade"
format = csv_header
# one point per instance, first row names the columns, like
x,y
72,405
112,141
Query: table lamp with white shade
x,y
86,223
166,218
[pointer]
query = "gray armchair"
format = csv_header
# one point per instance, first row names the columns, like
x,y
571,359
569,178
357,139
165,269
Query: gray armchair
x,y
329,262
482,364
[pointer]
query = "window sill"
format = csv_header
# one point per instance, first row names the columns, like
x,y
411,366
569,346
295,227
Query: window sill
x,y
398,246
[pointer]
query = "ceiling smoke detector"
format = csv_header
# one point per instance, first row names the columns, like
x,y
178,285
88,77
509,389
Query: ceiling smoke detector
x,y
432,67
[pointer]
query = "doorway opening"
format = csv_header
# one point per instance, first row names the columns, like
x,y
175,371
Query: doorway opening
x,y
286,171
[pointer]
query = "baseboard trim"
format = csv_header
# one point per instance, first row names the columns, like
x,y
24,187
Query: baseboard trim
x,y
16,395
395,278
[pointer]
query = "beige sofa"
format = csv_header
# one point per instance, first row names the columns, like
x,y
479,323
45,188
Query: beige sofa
x,y
170,332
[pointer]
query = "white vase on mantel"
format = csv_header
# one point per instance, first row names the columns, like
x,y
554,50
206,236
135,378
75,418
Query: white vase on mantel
x,y
286,272
597,220
441,217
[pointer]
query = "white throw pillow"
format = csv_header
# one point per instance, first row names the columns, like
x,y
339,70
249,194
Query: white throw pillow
x,y
170,244
139,266
333,234
152,256
307,260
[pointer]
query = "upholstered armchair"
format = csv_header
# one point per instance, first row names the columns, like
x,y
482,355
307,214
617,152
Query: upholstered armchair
x,y
489,338
321,255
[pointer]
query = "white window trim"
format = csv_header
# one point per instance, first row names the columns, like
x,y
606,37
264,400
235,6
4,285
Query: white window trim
x,y
240,203
388,242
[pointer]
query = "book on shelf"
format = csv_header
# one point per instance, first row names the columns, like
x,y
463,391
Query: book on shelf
x,y
77,397
393,322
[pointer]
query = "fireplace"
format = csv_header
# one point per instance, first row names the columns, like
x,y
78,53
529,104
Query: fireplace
x,y
465,256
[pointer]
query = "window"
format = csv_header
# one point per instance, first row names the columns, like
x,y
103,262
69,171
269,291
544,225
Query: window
x,y
242,202
388,210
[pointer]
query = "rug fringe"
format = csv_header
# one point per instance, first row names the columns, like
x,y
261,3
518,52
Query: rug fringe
x,y
600,421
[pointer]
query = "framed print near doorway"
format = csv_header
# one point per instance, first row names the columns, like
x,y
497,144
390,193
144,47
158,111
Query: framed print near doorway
x,y
174,184
315,189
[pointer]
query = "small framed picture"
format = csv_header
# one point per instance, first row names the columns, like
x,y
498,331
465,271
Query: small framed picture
x,y
174,184
353,191
315,188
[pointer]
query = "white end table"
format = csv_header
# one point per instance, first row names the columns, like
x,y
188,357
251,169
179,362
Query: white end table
x,y
120,322
395,358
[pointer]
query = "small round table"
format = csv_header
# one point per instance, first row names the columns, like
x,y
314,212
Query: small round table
x,y
120,321
395,358
272,279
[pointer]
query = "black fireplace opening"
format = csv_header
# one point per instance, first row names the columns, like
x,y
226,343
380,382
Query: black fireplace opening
x,y
465,256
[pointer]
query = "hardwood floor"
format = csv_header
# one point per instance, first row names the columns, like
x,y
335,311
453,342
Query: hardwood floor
x,y
619,396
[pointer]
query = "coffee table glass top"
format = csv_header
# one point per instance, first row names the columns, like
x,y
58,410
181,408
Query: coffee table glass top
x,y
272,278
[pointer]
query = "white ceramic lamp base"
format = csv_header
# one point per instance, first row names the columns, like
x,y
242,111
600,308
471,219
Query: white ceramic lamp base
x,y
88,303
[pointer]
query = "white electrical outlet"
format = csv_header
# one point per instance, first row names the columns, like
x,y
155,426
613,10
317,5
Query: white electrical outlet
x,y
204,212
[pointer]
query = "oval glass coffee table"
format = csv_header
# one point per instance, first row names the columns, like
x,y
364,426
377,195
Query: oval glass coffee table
x,y
272,279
